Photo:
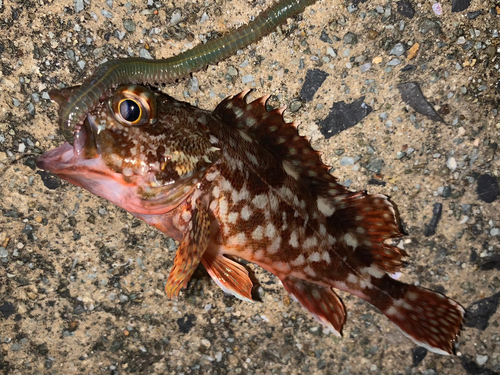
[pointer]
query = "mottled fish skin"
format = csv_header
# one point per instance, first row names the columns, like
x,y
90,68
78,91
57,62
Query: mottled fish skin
x,y
240,182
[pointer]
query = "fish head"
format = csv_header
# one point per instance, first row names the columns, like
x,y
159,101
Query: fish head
x,y
140,149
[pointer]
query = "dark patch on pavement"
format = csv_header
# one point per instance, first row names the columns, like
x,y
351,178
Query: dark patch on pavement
x,y
487,188
343,116
313,81
413,96
430,229
479,313
186,323
49,180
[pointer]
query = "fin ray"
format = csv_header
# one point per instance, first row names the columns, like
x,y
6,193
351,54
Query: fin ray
x,y
321,302
230,276
191,249
429,318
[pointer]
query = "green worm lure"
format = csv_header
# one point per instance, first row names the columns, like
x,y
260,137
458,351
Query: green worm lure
x,y
143,71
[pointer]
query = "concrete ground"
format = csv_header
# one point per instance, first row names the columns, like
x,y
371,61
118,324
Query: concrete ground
x,y
81,281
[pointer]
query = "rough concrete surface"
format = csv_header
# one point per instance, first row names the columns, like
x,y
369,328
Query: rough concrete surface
x,y
81,282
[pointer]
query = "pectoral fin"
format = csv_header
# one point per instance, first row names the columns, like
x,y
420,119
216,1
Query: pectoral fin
x,y
193,245
322,302
230,276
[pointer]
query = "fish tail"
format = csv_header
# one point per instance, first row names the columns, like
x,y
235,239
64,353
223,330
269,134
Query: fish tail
x,y
429,318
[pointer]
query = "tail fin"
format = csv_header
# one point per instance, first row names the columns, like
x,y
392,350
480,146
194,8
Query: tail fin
x,y
430,319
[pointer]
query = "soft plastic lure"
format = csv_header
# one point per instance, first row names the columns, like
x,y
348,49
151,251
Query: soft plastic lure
x,y
143,71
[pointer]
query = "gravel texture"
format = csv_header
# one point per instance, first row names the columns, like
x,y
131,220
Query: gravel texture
x,y
81,282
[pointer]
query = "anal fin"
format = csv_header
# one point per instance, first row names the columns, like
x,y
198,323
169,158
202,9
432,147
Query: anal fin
x,y
322,302
230,276
191,249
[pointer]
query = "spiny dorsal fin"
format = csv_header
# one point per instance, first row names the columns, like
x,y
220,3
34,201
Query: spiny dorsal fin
x,y
299,159
364,222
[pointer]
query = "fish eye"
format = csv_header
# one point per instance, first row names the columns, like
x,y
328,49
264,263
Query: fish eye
x,y
134,105
130,110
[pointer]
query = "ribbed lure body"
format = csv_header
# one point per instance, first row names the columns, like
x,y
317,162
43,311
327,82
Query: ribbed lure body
x,y
143,71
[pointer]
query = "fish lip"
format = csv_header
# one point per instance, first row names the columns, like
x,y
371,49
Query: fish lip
x,y
57,159
60,159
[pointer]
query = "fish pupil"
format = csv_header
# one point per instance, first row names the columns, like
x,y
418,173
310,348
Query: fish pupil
x,y
130,110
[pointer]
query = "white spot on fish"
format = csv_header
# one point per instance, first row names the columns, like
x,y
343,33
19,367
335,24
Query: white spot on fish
x,y
245,136
203,120
273,203
310,242
216,192
211,176
260,201
213,205
286,193
257,233
411,296
238,112
281,266
374,271
352,279
300,260
252,158
275,246
223,208
290,170
366,282
403,303
243,194
238,239
294,239
350,240
246,213
314,257
392,311
270,230
326,257
325,207
250,121
232,217
309,271
259,254
186,216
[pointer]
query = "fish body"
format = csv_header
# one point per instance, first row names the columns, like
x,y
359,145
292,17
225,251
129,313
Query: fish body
x,y
239,182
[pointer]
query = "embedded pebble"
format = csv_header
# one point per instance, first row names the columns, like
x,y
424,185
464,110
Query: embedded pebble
x,y
129,25
144,53
481,359
176,17
79,5
346,161
106,13
247,78
350,38
451,163
398,50
365,67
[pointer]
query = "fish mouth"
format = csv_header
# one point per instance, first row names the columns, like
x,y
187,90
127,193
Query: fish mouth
x,y
69,158
82,164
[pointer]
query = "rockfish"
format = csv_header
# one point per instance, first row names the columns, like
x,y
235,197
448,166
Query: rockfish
x,y
239,182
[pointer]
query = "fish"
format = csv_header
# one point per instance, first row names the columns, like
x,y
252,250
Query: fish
x,y
238,183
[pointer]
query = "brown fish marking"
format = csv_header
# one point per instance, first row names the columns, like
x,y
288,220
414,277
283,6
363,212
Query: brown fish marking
x,y
240,182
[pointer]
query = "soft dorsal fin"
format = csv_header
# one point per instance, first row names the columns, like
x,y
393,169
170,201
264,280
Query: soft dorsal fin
x,y
363,222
